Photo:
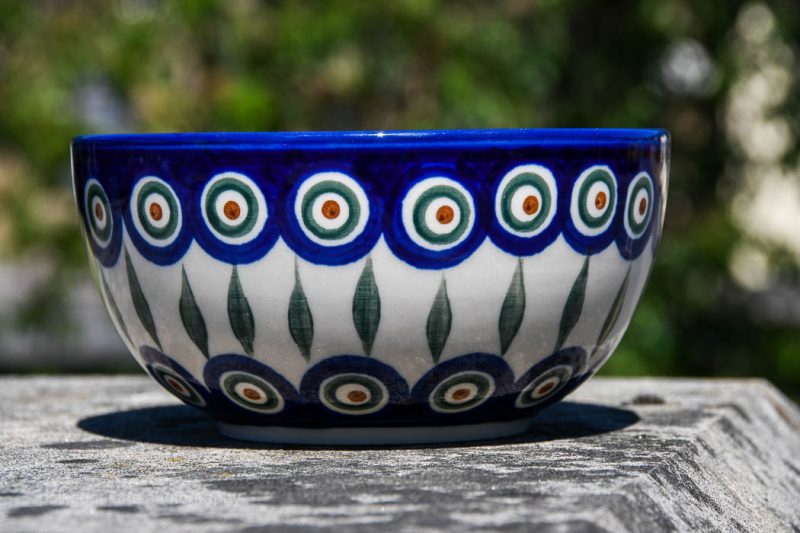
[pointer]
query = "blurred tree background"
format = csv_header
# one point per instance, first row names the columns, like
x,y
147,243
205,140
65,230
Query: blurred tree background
x,y
722,76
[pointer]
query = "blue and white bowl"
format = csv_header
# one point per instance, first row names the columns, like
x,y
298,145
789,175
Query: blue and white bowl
x,y
372,287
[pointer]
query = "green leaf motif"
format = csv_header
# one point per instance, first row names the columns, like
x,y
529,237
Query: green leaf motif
x,y
301,323
574,305
140,302
513,310
613,313
192,318
367,307
112,304
239,314
439,321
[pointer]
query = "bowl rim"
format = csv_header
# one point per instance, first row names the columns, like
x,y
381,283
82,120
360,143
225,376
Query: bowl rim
x,y
378,138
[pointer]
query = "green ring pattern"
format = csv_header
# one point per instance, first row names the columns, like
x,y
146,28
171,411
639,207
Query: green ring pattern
x,y
377,394
307,205
425,199
641,183
230,230
194,398
595,176
506,211
95,191
228,384
174,210
481,381
525,398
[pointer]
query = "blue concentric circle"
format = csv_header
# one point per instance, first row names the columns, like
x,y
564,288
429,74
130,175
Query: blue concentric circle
x,y
174,377
233,220
435,222
246,384
639,216
551,379
466,383
592,209
353,386
331,218
103,224
526,205
155,219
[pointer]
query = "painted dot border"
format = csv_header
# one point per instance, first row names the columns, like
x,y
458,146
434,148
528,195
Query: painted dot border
x,y
396,402
380,214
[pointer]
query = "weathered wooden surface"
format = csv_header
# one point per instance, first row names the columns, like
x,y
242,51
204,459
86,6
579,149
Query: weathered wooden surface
x,y
106,454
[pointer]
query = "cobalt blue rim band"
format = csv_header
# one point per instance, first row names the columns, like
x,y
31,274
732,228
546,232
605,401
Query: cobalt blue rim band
x,y
401,138
385,165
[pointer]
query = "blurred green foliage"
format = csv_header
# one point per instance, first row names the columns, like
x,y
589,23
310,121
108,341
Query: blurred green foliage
x,y
723,299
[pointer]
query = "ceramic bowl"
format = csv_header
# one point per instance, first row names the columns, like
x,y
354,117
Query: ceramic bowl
x,y
372,287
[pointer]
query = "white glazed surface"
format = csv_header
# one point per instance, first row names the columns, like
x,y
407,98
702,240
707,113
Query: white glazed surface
x,y
476,289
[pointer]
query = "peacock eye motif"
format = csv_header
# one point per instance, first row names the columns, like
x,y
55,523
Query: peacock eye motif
x,y
526,200
176,385
156,211
544,386
438,213
353,394
639,205
331,208
251,392
353,385
233,208
98,213
462,392
464,383
594,200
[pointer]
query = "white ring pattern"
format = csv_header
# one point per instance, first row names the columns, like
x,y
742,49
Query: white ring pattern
x,y
641,195
90,207
161,202
97,206
237,198
591,208
189,393
435,225
470,387
409,205
344,213
532,396
346,388
240,389
330,223
261,203
518,199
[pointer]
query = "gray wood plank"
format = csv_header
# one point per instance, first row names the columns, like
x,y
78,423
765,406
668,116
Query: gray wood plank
x,y
116,453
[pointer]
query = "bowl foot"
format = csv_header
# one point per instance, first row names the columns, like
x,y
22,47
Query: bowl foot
x,y
371,436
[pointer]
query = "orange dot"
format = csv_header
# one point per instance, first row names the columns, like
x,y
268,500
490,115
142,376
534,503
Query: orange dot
x,y
331,209
156,212
251,394
600,200
461,394
231,210
357,396
530,205
547,387
642,206
177,386
99,212
445,214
